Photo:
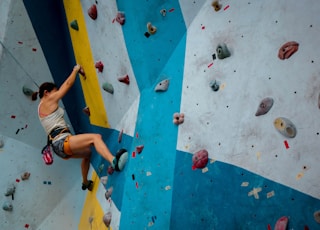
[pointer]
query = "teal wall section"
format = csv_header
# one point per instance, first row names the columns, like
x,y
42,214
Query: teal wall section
x,y
217,200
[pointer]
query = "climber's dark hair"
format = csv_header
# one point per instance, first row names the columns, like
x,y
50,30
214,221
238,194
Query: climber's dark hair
x,y
45,86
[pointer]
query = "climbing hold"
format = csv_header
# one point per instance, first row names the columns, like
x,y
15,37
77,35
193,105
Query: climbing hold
x,y
104,180
162,86
108,193
92,12
121,18
86,110
222,51
110,170
178,118
200,159
74,25
281,223
163,12
151,29
139,148
214,85
83,74
1,143
125,79
316,216
120,136
216,5
107,219
7,206
99,65
27,91
285,127
288,49
100,168
108,87
25,176
10,190
264,106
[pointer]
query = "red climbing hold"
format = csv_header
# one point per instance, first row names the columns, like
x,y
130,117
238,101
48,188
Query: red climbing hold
x,y
288,49
125,79
92,12
139,148
99,66
120,18
86,110
200,159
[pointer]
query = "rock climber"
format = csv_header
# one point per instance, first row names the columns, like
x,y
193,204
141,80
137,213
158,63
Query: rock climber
x,y
63,143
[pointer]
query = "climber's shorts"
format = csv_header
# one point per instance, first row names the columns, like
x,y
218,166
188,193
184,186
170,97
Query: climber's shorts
x,y
62,148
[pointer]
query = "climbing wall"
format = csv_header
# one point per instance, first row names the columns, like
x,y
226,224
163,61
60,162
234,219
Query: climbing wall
x,y
193,91
49,195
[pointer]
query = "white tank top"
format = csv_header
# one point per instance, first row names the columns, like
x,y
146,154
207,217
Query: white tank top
x,y
53,121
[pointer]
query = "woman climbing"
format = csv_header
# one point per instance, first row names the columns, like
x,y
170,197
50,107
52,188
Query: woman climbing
x,y
64,144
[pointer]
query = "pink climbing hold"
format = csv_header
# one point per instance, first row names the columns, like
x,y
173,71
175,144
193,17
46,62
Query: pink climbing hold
x,y
200,159
281,223
178,118
99,65
92,12
121,18
139,148
125,79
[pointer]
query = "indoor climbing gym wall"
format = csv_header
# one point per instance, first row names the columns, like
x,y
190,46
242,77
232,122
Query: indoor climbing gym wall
x,y
215,101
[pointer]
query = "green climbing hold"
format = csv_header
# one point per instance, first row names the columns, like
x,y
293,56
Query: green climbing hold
x,y
27,91
108,87
74,25
222,51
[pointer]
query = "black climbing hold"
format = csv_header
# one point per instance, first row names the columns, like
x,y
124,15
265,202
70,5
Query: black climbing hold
x,y
222,51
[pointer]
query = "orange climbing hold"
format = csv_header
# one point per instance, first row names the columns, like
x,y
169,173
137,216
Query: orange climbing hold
x,y
92,12
125,79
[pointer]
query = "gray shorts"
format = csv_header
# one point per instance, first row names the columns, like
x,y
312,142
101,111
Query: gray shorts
x,y
58,148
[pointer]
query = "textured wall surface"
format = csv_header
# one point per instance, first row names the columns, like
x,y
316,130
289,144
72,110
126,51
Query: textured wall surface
x,y
254,175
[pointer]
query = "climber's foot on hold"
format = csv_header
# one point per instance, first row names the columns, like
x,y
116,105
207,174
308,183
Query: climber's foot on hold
x,y
88,186
120,160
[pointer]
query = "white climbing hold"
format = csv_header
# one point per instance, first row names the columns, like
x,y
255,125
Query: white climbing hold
x,y
162,86
104,180
285,127
10,190
7,206
108,193
163,12
107,218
